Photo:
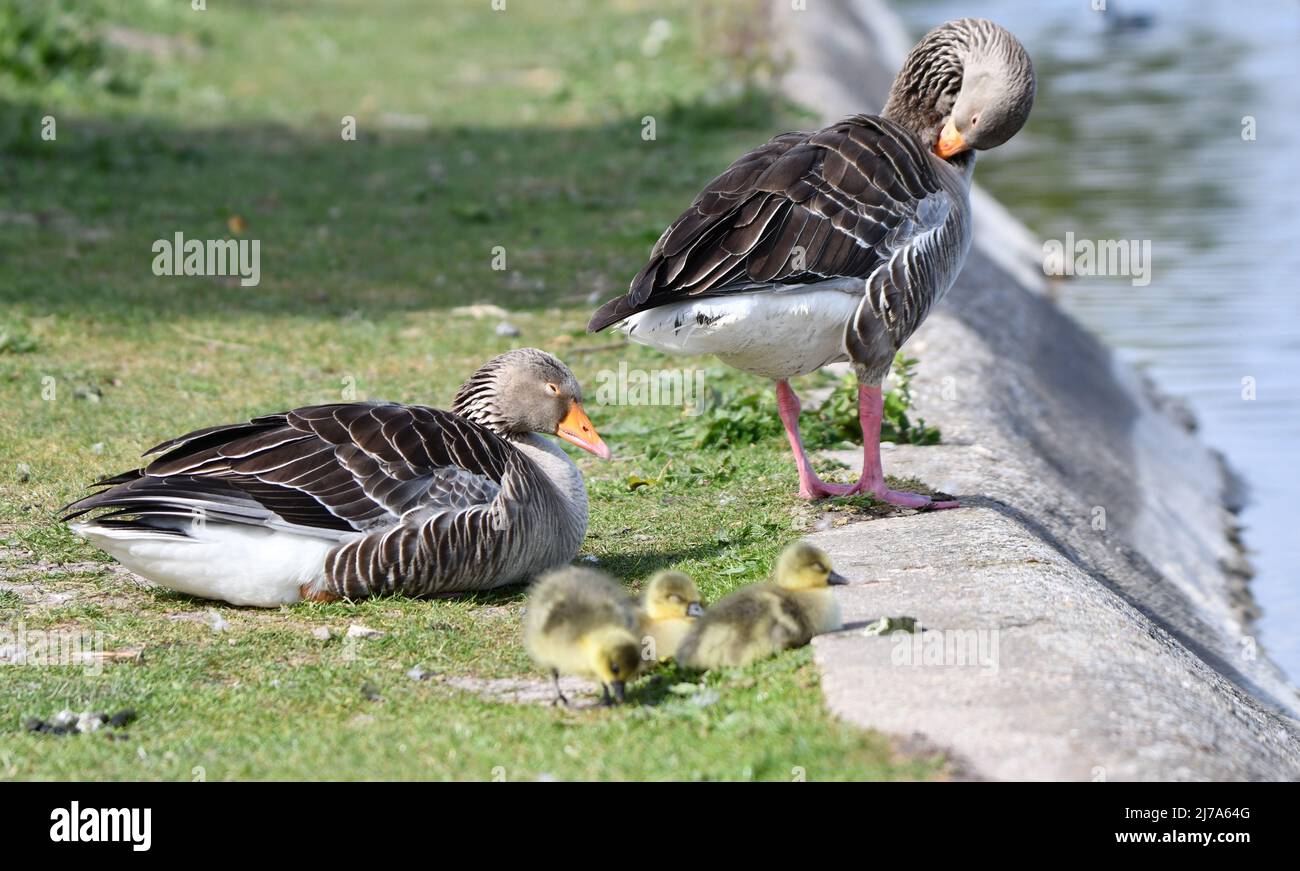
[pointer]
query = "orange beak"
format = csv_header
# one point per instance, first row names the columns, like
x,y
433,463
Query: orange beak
x,y
950,142
576,429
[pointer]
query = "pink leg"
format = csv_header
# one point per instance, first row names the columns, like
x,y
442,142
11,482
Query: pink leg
x,y
810,486
871,408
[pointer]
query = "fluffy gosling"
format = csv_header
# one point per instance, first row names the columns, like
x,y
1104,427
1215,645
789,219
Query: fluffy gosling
x,y
580,622
763,619
669,608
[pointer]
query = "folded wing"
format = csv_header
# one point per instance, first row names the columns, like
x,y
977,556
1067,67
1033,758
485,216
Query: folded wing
x,y
326,470
803,207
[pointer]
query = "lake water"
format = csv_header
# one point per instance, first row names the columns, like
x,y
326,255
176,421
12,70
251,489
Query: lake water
x,y
1137,134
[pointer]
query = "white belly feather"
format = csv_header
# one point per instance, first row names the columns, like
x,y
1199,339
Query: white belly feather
x,y
242,565
775,332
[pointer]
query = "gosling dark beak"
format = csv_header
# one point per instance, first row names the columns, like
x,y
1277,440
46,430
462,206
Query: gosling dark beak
x,y
617,686
950,141
695,609
835,579
576,429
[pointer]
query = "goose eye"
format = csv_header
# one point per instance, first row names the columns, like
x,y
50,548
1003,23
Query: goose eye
x,y
554,389
974,119
613,668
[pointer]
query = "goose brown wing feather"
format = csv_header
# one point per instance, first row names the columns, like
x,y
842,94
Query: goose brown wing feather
x,y
330,467
844,198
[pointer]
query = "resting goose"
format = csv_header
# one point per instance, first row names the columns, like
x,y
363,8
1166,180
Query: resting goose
x,y
829,246
361,499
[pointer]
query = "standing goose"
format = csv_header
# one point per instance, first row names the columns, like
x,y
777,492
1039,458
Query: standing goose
x,y
829,246
361,499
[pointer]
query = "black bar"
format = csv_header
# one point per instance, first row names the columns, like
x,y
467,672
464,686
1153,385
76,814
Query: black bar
x,y
374,819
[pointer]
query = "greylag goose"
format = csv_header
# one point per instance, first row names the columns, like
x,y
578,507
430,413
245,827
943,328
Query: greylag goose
x,y
834,245
361,499
761,620
579,621
668,610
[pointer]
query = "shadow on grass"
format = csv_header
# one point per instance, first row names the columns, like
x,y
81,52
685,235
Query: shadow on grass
x,y
632,567
394,221
638,566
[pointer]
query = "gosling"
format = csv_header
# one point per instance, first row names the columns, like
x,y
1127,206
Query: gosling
x,y
669,608
761,620
579,622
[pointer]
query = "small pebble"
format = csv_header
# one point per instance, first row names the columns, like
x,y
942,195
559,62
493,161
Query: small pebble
x,y
356,630
124,717
370,692
67,723
97,447
89,722
24,472
505,328
890,625
417,673
321,633
216,622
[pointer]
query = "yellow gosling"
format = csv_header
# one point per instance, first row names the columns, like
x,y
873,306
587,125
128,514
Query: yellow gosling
x,y
669,608
580,622
763,619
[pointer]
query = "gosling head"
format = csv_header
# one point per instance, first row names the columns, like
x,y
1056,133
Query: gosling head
x,y
803,566
614,657
672,596
528,390
968,84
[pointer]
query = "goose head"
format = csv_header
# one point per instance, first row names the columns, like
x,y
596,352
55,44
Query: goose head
x,y
803,566
967,85
525,391
613,656
672,596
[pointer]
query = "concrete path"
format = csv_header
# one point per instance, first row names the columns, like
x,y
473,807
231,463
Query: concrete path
x,y
1027,666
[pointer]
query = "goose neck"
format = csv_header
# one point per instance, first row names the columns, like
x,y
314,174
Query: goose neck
x,y
559,469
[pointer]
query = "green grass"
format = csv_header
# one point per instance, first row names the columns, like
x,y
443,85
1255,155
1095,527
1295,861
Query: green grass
x,y
476,129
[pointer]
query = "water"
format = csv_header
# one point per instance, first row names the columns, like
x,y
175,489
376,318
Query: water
x,y
1137,134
